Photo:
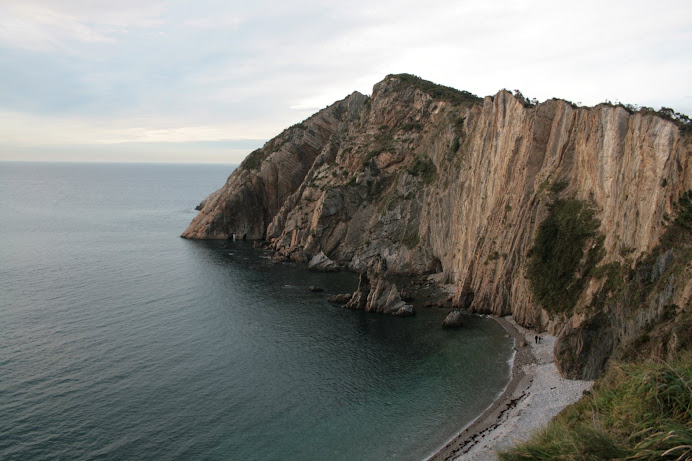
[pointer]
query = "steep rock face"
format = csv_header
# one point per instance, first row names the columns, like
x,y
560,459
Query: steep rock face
x,y
256,190
657,296
437,181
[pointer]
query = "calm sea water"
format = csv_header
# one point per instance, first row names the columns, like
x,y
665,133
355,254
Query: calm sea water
x,y
119,340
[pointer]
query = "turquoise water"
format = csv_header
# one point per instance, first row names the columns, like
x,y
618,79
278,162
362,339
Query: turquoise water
x,y
119,340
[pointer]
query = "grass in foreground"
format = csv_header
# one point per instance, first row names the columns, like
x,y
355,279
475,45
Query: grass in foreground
x,y
634,412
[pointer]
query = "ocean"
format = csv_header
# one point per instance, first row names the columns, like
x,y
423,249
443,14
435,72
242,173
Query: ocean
x,y
120,340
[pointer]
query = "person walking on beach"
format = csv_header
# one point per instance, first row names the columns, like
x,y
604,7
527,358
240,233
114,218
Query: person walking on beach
x,y
536,339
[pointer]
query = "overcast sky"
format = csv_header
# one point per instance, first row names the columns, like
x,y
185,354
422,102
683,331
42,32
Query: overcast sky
x,y
209,81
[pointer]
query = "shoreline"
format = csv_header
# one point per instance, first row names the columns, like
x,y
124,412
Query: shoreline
x,y
534,395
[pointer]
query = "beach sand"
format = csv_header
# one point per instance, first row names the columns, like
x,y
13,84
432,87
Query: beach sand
x,y
535,394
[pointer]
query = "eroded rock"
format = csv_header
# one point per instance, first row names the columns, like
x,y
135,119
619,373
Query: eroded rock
x,y
453,320
340,298
320,262
376,294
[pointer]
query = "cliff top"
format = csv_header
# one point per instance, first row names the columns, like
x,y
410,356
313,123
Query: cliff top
x,y
436,91
462,97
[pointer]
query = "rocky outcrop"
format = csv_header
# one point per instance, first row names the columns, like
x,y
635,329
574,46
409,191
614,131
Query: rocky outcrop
x,y
454,319
377,294
438,182
320,262
259,187
340,298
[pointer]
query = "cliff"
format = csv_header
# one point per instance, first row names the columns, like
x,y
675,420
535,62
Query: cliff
x,y
474,193
257,190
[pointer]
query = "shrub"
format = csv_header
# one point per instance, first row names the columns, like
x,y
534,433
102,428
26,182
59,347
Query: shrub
x,y
411,240
382,142
438,91
679,231
683,210
254,160
412,126
423,167
454,148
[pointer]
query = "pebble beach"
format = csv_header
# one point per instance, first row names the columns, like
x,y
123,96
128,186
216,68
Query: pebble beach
x,y
535,394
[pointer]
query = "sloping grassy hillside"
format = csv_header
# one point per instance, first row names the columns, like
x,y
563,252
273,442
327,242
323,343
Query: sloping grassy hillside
x,y
634,412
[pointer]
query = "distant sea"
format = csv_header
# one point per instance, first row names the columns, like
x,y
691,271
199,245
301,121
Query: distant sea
x,y
119,340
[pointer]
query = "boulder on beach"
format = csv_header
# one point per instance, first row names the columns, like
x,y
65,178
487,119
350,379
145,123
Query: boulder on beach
x,y
453,320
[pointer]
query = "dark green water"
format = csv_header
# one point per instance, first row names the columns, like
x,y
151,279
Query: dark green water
x,y
119,340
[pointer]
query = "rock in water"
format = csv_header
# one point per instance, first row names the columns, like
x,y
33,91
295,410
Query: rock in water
x,y
316,289
340,299
376,294
320,262
406,310
453,320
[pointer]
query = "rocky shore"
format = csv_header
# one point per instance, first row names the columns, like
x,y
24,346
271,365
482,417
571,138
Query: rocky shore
x,y
432,181
535,394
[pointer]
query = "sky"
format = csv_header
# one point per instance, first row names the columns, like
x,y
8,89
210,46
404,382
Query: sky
x,y
209,81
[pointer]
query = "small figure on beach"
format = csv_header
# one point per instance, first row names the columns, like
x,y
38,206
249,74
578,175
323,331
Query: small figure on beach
x,y
536,339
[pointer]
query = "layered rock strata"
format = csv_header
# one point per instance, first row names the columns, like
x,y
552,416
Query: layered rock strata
x,y
438,182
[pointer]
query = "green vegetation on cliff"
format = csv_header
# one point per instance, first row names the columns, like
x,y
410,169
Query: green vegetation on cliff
x,y
681,120
254,159
681,228
559,261
424,168
632,314
641,408
671,334
442,92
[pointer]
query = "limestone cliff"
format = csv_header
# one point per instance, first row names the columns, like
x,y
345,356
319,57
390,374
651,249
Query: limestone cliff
x,y
438,181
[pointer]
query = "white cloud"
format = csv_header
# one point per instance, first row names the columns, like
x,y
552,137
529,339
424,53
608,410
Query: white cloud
x,y
36,28
29,130
214,22
151,71
44,25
